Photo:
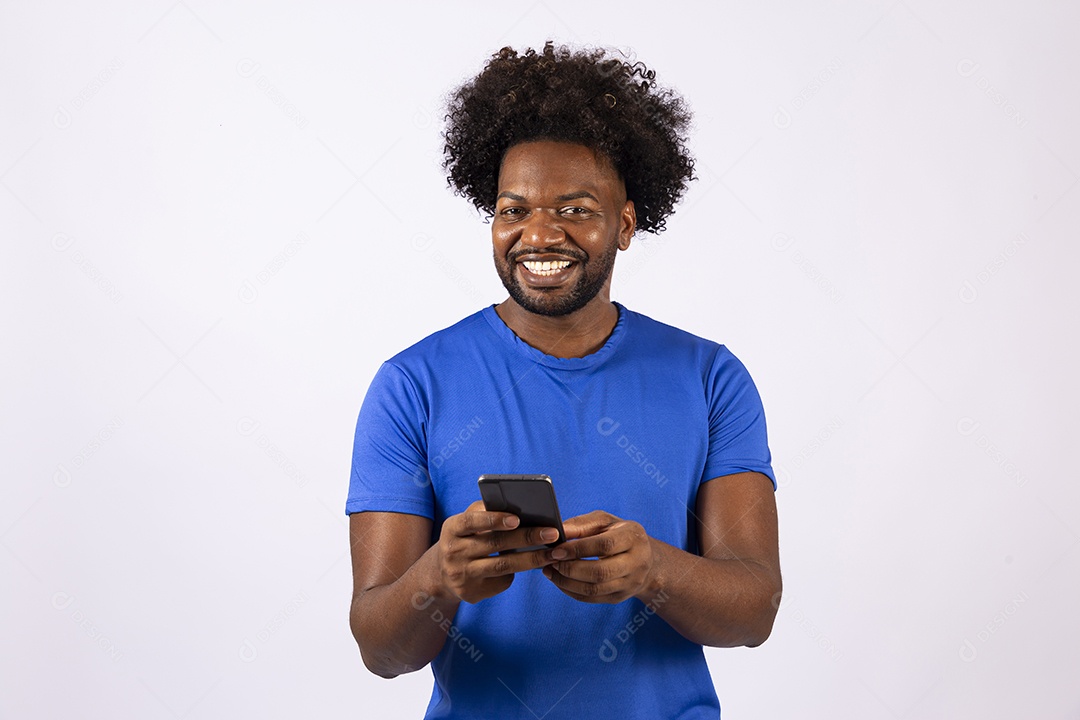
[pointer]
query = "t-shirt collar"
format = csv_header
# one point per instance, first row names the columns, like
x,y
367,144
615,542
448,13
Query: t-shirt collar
x,y
503,331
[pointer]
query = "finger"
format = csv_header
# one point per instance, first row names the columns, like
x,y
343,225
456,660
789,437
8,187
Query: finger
x,y
588,524
604,545
508,564
595,572
476,519
500,540
612,591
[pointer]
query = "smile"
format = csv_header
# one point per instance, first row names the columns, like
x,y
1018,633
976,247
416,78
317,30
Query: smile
x,y
547,267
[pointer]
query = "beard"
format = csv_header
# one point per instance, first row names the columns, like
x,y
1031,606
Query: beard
x,y
557,301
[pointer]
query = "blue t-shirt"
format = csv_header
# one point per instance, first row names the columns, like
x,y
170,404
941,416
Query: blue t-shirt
x,y
632,429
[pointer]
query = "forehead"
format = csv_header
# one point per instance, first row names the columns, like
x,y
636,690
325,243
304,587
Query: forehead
x,y
540,166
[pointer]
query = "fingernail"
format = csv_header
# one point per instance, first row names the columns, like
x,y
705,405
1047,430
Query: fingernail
x,y
511,522
558,554
549,535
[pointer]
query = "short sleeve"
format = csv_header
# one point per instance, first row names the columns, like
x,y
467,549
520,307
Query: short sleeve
x,y
738,441
389,463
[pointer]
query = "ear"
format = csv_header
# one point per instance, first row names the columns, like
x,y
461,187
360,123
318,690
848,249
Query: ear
x,y
627,225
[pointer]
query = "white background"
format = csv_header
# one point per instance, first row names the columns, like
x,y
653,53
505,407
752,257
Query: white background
x,y
218,221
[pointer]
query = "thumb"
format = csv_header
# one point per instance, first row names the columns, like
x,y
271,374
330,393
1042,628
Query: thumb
x,y
589,524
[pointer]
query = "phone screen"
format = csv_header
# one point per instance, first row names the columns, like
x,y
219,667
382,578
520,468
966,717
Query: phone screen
x,y
530,497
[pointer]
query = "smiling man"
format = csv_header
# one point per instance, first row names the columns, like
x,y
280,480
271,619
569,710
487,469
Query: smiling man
x,y
654,438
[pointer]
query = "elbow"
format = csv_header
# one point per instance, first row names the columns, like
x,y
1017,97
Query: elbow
x,y
759,634
385,666
751,629
761,629
378,663
748,634
379,666
381,656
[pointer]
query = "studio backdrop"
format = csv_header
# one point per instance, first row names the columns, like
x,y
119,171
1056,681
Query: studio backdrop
x,y
218,220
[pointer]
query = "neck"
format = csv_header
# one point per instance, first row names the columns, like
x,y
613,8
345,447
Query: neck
x,y
578,334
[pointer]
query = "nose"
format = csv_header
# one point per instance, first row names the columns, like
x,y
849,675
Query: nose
x,y
542,228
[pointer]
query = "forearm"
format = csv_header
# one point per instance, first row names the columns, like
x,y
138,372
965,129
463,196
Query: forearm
x,y
720,603
400,627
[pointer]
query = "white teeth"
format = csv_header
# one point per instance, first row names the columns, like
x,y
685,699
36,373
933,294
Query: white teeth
x,y
547,267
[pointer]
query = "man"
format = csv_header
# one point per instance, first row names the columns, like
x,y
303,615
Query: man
x,y
655,439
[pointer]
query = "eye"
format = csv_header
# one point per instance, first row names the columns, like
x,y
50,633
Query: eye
x,y
512,212
575,211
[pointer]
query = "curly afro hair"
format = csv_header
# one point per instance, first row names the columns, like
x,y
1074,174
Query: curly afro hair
x,y
587,97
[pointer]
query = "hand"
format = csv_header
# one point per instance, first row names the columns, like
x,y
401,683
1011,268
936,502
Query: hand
x,y
470,538
624,560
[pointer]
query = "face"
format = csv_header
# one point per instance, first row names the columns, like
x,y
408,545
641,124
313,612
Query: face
x,y
560,217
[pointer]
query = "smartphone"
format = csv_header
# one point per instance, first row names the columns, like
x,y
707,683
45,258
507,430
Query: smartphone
x,y
530,497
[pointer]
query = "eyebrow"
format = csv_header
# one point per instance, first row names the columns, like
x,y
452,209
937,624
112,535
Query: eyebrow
x,y
576,196
562,198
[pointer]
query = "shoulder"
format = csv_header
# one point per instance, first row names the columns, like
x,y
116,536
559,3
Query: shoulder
x,y
407,378
716,363
442,343
668,338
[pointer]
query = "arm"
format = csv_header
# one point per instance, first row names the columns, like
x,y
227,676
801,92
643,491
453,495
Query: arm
x,y
392,563
726,597
405,593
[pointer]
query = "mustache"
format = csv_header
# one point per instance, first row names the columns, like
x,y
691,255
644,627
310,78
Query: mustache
x,y
578,257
